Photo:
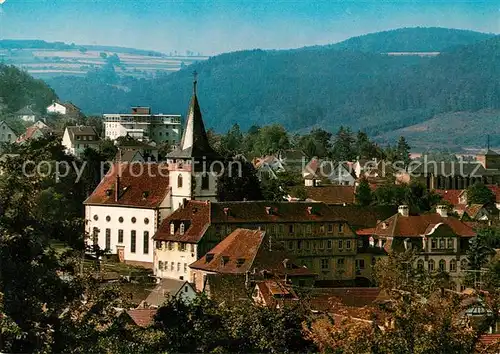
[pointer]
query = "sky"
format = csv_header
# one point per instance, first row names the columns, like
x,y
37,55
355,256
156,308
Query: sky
x,y
216,26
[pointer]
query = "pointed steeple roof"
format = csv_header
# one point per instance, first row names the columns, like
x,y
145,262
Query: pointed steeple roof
x,y
194,141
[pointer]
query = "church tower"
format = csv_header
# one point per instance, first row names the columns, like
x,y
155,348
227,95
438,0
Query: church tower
x,y
194,164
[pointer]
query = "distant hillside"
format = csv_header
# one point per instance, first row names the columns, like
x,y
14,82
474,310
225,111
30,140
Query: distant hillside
x,y
48,59
419,39
325,87
18,89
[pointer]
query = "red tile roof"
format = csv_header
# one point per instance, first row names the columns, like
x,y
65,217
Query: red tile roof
x,y
275,292
142,317
489,338
141,190
196,217
244,250
496,192
450,195
322,298
333,194
418,225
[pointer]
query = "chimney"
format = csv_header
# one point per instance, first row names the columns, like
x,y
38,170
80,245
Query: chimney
x,y
309,209
226,211
442,210
117,188
268,210
403,210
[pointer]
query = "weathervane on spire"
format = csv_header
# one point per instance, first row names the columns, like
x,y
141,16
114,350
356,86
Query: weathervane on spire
x,y
195,81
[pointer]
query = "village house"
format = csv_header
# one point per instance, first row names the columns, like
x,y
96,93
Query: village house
x,y
128,147
78,138
318,171
440,240
124,211
66,109
27,114
37,130
311,232
7,135
231,268
169,288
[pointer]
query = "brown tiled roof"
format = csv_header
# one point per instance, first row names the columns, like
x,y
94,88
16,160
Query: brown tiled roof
x,y
244,250
333,194
276,293
142,190
321,298
257,211
81,130
417,225
235,254
473,209
196,216
450,195
142,317
360,217
496,192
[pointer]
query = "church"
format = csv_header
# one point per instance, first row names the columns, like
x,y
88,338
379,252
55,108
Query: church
x,y
127,207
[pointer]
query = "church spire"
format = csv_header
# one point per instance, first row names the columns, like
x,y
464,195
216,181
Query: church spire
x,y
195,82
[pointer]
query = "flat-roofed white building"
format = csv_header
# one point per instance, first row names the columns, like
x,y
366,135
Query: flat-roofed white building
x,y
142,125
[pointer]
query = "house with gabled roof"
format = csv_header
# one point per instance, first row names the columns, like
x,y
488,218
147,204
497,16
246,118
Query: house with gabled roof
x,y
239,260
317,236
440,240
169,288
7,135
124,211
78,138
317,170
36,131
27,114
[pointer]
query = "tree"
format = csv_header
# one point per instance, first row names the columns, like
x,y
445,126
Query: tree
x,y
478,255
239,183
403,151
270,139
366,149
478,193
232,141
343,145
363,193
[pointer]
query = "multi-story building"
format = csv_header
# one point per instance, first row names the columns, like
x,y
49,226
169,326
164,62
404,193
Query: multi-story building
x,y
311,232
125,209
78,138
142,125
439,240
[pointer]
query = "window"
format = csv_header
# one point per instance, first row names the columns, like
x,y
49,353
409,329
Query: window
x,y
170,246
341,228
290,245
290,228
95,236
108,239
172,228
450,243
185,267
341,244
433,243
282,228
329,244
325,263
178,266
182,229
160,265
321,244
179,181
120,219
158,245
96,217
182,246
132,241
146,242
172,266
360,264
307,245
308,230
192,248
442,265
330,227
322,228
348,244
453,265
431,265
120,236
441,243
299,244
340,262
360,243
133,220
420,264
108,218
205,184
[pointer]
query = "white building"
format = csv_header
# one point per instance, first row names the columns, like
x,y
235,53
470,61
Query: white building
x,y
7,135
124,211
26,114
77,138
66,109
144,126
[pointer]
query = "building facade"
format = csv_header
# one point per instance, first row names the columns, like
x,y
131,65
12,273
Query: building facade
x,y
142,125
78,138
7,135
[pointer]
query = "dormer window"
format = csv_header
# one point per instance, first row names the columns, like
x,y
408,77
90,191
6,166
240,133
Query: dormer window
x,y
268,210
172,228
226,211
224,260
240,262
109,192
181,230
145,194
309,210
209,257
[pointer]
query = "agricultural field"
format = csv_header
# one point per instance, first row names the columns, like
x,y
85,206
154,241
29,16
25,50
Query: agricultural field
x,y
78,61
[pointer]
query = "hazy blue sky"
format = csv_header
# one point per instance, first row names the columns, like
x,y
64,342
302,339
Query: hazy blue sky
x,y
212,26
